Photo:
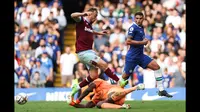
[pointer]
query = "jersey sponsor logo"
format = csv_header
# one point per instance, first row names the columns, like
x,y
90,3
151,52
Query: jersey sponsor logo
x,y
88,30
154,97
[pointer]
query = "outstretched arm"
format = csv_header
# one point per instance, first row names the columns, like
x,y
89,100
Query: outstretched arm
x,y
129,41
100,33
90,104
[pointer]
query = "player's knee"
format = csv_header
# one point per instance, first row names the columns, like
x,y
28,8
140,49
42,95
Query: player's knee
x,y
102,64
99,104
156,67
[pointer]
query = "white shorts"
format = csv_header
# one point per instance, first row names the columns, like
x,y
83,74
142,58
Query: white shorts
x,y
86,57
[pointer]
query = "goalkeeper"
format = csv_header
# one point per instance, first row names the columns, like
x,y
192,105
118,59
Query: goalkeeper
x,y
106,96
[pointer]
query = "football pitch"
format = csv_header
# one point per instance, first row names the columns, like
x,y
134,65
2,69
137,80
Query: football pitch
x,y
136,106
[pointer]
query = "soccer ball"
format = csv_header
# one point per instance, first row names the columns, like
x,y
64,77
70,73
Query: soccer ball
x,y
21,98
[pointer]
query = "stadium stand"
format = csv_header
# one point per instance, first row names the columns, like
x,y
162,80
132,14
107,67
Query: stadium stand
x,y
40,32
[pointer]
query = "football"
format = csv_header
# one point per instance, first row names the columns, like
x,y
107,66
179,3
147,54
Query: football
x,y
21,98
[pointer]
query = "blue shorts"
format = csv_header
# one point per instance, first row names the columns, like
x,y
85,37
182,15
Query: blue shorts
x,y
130,65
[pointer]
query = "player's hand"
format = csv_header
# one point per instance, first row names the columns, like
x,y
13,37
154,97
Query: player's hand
x,y
87,13
145,41
104,32
72,103
78,101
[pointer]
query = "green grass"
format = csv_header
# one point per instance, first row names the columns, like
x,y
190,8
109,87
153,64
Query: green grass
x,y
137,106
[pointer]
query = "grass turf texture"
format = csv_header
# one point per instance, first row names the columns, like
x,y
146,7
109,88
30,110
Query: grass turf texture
x,y
137,106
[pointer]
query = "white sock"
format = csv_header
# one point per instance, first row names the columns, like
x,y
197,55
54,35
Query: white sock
x,y
159,79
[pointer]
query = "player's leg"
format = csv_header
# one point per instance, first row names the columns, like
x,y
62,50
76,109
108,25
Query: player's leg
x,y
104,66
128,70
93,74
152,64
92,59
120,94
104,105
88,58
109,104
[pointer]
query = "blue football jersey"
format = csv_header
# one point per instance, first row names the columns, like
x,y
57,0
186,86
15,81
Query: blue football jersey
x,y
135,51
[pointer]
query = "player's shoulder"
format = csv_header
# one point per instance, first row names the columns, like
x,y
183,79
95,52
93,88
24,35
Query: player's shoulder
x,y
133,27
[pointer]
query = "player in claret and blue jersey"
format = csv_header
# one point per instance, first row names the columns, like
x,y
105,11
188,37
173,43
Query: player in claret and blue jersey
x,y
135,55
84,42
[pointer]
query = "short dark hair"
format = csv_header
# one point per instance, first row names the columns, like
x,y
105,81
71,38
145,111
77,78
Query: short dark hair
x,y
139,13
100,21
37,72
93,9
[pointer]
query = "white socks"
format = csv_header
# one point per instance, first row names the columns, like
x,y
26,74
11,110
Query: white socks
x,y
159,79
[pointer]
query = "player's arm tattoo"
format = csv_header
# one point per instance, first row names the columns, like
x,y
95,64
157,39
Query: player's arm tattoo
x,y
129,41
87,91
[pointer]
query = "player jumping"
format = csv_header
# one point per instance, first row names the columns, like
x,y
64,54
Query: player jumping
x,y
135,56
106,96
84,42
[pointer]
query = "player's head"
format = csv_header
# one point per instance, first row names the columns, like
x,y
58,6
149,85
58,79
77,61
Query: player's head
x,y
94,14
139,17
67,49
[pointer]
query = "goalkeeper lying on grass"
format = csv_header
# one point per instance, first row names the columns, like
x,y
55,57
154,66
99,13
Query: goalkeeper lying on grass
x,y
106,96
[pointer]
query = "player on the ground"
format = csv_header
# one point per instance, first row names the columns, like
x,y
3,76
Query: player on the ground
x,y
106,95
84,42
135,55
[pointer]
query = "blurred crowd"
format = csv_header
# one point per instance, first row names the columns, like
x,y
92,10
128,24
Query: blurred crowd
x,y
38,49
164,26
39,36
